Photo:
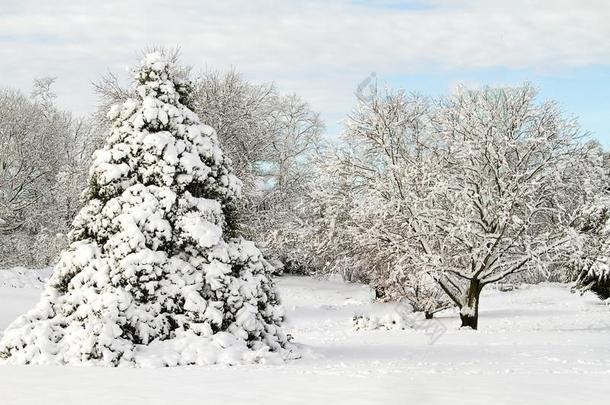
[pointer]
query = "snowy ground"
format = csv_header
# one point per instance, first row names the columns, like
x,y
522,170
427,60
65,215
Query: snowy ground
x,y
536,345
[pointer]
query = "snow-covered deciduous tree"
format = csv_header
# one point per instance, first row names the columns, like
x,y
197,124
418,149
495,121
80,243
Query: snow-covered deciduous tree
x,y
43,154
358,202
271,137
388,156
328,235
504,194
467,190
286,179
150,277
242,115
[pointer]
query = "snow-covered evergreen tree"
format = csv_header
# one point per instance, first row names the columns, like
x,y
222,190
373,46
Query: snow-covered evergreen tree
x,y
149,278
270,138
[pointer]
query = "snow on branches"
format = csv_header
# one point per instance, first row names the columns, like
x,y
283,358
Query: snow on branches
x,y
589,257
509,170
149,278
466,190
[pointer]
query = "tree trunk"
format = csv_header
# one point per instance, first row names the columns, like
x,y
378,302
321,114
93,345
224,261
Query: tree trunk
x,y
379,293
428,315
469,312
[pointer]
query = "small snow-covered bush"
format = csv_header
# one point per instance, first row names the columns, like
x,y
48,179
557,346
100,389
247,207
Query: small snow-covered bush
x,y
386,316
149,278
392,321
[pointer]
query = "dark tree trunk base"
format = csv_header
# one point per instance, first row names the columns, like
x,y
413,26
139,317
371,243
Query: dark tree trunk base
x,y
469,321
469,312
428,315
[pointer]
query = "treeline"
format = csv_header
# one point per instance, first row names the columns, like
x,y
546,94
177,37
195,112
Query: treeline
x,y
427,200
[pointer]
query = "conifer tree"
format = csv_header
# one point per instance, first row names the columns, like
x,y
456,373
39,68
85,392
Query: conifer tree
x,y
151,276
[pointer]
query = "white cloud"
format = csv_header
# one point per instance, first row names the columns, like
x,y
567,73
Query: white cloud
x,y
319,49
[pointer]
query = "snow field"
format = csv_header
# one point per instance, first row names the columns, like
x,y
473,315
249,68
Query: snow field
x,y
537,344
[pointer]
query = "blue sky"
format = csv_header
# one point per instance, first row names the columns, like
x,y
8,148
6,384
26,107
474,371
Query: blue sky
x,y
322,50
581,91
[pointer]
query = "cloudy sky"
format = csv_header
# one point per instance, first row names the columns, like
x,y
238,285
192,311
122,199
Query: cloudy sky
x,y
322,50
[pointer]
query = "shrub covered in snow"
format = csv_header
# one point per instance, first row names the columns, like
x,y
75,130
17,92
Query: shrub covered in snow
x,y
400,318
590,260
149,278
392,321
